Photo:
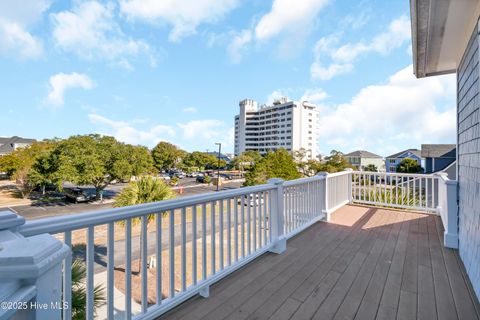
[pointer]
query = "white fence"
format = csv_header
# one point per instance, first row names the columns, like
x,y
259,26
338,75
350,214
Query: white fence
x,y
174,249
396,190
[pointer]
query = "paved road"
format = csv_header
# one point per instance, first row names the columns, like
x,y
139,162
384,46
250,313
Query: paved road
x,y
30,212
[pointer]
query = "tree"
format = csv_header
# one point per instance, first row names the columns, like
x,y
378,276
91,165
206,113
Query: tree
x,y
202,160
166,155
278,164
92,159
370,167
144,190
21,165
246,160
409,165
335,162
79,293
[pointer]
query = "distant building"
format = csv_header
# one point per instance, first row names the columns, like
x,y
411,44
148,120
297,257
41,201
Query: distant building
x,y
438,156
361,158
285,124
392,161
8,145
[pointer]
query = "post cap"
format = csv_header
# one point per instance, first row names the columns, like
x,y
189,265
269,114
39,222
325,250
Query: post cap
x,y
10,220
25,258
275,181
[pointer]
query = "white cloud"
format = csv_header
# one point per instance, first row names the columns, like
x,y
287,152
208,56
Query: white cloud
x,y
15,22
293,20
125,132
325,73
400,114
314,95
288,16
190,110
184,16
342,58
199,133
90,31
276,95
237,46
61,82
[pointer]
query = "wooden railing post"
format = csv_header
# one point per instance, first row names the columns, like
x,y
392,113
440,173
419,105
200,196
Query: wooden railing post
x,y
279,242
30,272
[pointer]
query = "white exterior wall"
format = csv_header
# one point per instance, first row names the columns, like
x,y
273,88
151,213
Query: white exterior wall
x,y
286,124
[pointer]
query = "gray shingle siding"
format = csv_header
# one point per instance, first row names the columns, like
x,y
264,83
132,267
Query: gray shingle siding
x,y
468,110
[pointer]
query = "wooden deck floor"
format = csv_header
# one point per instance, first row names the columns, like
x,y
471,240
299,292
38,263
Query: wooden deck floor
x,y
368,263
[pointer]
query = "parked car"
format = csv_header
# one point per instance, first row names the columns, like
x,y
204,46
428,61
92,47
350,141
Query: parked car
x,y
78,195
193,174
226,176
200,179
165,177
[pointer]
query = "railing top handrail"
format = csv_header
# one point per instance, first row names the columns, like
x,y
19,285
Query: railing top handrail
x,y
339,173
413,175
295,182
85,220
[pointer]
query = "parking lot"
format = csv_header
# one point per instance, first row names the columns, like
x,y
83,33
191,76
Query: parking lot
x,y
185,187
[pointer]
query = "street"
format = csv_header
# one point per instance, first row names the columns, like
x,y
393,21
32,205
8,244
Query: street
x,y
186,187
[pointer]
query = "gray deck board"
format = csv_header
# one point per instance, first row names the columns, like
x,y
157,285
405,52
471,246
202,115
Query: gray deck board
x,y
368,263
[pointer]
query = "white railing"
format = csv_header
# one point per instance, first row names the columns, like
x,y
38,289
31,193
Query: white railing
x,y
177,248
303,201
338,190
174,249
448,209
396,190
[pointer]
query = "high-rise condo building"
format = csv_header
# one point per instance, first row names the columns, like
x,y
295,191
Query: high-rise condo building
x,y
285,124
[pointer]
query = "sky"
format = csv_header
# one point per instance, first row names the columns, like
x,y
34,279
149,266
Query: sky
x,y
146,70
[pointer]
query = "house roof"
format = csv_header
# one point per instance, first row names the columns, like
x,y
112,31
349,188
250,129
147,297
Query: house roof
x,y
440,32
7,144
416,152
362,154
439,151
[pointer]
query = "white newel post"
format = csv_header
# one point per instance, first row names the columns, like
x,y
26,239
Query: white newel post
x,y
450,236
350,186
325,210
30,272
278,236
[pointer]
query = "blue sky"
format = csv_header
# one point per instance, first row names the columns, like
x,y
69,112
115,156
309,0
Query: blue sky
x,y
145,70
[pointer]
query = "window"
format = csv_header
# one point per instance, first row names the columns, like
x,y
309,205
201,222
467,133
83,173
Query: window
x,y
393,169
392,161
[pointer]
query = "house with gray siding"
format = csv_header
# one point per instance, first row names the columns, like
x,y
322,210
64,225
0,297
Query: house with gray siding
x,y
438,157
392,161
445,39
10,144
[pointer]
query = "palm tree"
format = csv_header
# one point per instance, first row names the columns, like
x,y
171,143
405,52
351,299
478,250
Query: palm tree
x,y
144,190
79,295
